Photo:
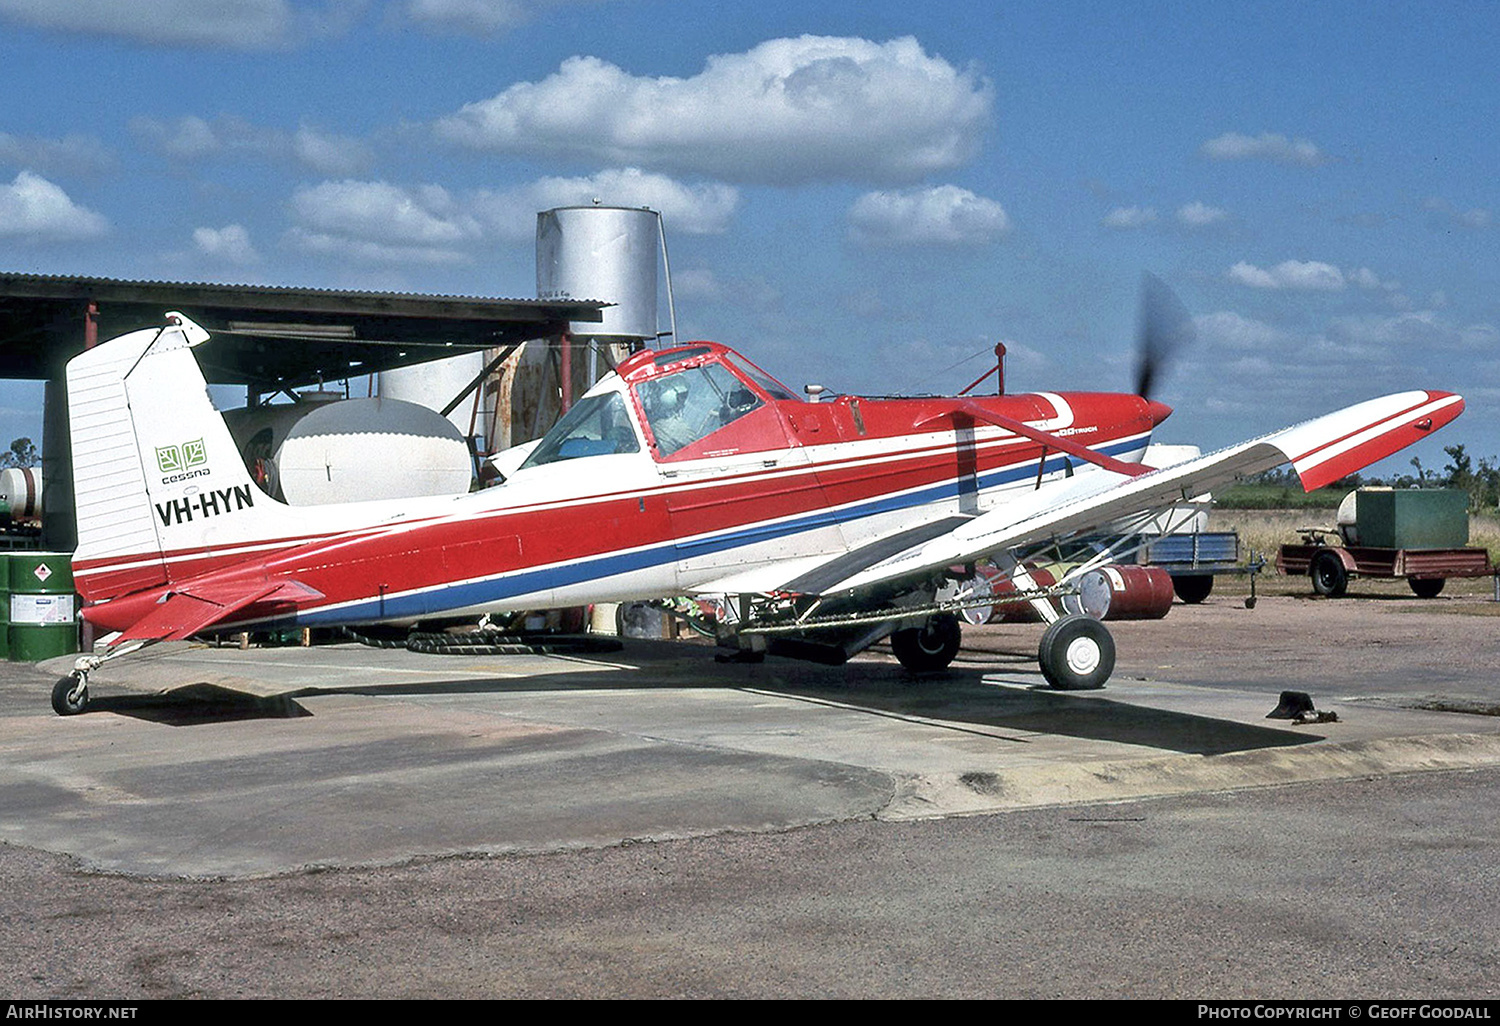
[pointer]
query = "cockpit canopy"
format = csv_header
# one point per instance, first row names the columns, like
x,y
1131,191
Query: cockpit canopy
x,y
680,396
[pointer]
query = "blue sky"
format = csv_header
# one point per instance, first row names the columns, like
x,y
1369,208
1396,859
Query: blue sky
x,y
868,195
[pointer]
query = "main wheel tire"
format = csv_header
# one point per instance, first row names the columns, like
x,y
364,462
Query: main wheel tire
x,y
1427,587
1077,653
70,696
1329,578
1194,588
930,647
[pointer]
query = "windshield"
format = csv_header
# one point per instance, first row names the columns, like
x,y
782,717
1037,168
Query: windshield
x,y
595,426
691,404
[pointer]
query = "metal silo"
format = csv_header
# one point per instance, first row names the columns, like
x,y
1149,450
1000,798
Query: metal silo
x,y
604,253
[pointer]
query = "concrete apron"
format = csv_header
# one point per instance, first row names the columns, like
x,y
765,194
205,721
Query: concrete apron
x,y
201,762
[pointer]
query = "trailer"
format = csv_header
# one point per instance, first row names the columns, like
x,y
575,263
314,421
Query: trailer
x,y
1331,564
1418,534
1195,558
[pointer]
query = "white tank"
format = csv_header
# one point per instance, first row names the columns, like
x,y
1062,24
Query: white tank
x,y
1348,522
434,385
313,453
21,489
604,253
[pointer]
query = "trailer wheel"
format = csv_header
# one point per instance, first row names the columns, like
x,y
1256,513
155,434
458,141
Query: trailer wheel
x,y
930,647
1427,587
1077,653
1329,578
1193,588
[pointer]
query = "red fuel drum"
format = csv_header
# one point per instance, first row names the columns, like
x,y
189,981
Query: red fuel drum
x,y
1128,592
1109,593
990,581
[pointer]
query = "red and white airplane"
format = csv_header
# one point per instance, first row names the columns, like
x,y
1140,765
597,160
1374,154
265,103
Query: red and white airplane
x,y
688,471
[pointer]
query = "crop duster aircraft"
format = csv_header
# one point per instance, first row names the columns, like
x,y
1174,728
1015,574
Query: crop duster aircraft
x,y
826,526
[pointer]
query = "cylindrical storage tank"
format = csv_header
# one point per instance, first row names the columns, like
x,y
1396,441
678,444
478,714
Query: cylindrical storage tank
x,y
352,450
603,253
43,612
435,384
1126,592
21,488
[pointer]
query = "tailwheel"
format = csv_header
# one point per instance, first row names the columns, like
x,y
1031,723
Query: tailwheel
x,y
929,647
1077,653
70,695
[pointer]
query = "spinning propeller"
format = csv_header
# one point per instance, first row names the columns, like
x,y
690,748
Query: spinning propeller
x,y
1165,327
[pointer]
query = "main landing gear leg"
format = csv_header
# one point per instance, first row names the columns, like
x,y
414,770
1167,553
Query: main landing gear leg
x,y
1077,652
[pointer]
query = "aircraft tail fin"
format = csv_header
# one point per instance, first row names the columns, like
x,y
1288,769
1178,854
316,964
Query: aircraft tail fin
x,y
158,481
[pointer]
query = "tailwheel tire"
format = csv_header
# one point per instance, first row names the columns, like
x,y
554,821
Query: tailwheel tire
x,y
930,647
70,695
1329,578
1077,653
1427,587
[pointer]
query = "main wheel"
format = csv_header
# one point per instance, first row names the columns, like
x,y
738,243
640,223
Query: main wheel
x,y
1077,653
1329,578
930,647
1193,588
1427,587
70,695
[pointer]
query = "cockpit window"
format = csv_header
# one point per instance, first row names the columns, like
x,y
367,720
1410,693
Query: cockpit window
x,y
692,404
596,426
772,387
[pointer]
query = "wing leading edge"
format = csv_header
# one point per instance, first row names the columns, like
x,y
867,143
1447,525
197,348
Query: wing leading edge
x,y
1321,451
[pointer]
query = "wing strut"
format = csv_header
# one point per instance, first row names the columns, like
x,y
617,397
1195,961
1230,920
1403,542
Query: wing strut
x,y
1047,440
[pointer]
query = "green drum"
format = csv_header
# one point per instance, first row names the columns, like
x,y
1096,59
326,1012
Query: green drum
x,y
43,610
4,604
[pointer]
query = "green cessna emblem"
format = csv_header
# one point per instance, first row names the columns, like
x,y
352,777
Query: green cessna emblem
x,y
174,458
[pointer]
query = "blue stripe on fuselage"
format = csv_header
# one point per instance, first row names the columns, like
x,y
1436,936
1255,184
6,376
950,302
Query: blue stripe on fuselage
x,y
524,582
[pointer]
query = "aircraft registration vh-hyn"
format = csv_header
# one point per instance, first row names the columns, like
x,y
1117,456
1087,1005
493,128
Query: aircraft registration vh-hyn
x,y
821,527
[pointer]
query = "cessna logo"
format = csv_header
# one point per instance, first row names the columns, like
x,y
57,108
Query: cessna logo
x,y
177,461
205,504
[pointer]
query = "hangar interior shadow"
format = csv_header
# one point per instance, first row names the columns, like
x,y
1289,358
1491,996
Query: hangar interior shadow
x,y
961,696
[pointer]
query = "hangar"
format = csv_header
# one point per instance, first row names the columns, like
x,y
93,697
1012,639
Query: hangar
x,y
268,339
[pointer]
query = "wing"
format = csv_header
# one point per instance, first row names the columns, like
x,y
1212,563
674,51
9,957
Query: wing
x,y
1321,451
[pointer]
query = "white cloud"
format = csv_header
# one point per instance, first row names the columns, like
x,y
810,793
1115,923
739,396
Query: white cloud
x,y
72,154
697,283
230,244
383,221
1266,146
191,138
1198,214
233,24
942,215
377,221
689,209
1229,330
1126,218
1416,331
34,210
329,154
478,17
1298,275
787,111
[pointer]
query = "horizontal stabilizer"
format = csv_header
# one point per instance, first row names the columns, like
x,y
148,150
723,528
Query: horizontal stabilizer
x,y
195,609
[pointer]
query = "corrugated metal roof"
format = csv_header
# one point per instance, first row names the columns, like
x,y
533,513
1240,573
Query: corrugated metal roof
x,y
271,336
